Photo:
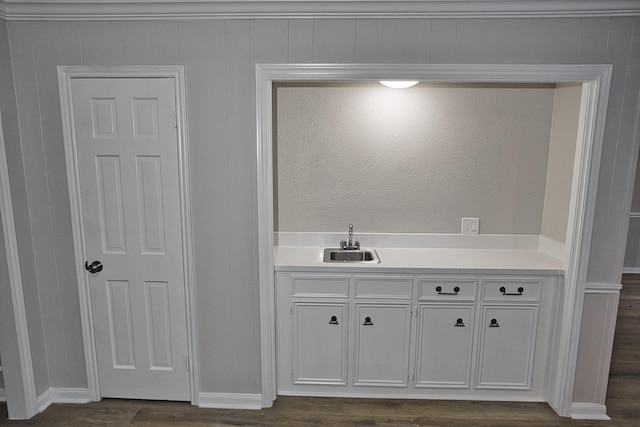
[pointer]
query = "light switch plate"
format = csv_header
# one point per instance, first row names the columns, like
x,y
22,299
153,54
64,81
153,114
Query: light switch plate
x,y
470,226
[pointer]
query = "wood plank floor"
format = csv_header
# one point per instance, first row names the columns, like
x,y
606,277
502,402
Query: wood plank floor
x,y
623,401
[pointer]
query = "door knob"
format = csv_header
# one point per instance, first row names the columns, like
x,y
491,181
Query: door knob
x,y
94,267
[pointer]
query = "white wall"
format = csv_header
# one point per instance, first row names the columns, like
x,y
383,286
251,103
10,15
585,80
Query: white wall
x,y
562,150
220,57
414,160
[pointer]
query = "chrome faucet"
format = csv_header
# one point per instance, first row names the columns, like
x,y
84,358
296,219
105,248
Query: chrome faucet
x,y
351,245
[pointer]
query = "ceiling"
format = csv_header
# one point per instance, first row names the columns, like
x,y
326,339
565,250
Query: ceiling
x,y
232,9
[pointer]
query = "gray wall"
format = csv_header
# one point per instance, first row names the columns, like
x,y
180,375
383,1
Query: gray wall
x,y
414,160
220,57
14,153
632,255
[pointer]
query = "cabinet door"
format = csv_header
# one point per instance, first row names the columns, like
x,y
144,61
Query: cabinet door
x,y
507,344
382,344
444,340
319,343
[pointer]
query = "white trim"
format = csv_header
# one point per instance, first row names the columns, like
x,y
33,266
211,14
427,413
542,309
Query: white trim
x,y
44,400
631,270
26,398
593,110
176,72
596,79
245,9
230,400
602,288
412,240
552,247
3,395
589,411
62,395
69,395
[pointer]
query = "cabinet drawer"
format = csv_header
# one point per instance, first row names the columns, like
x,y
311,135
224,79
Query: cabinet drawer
x,y
434,288
320,286
391,287
505,289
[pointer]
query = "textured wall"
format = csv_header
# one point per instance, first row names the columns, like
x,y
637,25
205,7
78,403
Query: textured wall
x,y
220,58
414,160
562,150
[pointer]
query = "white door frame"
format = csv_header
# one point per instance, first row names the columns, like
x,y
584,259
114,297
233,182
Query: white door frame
x,y
65,76
596,81
19,381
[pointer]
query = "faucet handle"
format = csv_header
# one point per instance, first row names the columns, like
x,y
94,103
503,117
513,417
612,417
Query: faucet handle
x,y
343,244
356,244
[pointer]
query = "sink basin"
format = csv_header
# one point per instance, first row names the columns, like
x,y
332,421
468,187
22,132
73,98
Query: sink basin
x,y
345,255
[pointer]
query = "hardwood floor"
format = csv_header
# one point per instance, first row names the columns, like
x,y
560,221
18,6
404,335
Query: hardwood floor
x,y
622,401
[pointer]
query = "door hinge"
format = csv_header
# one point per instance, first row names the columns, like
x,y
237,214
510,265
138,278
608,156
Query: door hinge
x,y
187,363
175,119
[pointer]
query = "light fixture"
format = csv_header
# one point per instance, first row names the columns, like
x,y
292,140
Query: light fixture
x,y
399,84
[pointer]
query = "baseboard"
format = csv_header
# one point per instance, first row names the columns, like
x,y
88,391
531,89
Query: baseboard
x,y
631,270
62,395
3,395
589,411
230,400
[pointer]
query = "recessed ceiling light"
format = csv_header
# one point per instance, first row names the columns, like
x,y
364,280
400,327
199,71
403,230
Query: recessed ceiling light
x,y
399,84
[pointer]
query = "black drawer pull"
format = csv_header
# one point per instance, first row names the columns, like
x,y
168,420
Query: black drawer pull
x,y
459,323
334,320
504,291
367,321
494,324
455,291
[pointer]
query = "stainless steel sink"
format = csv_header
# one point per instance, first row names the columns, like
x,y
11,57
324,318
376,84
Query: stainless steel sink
x,y
351,255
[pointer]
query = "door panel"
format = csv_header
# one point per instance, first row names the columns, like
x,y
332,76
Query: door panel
x,y
127,157
507,346
382,344
445,334
320,343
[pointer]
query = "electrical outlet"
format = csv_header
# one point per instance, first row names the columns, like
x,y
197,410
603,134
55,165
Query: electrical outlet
x,y
470,226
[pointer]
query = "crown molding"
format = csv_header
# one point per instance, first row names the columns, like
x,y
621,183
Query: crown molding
x,y
15,10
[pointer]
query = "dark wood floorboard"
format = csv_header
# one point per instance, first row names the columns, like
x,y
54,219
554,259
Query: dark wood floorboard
x,y
623,401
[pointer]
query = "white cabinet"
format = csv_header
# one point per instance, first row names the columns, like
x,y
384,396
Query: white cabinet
x,y
444,345
313,330
506,346
382,327
382,344
445,330
319,342
508,333
437,336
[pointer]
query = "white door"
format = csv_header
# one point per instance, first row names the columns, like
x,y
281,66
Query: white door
x,y
507,347
320,342
382,344
445,337
127,157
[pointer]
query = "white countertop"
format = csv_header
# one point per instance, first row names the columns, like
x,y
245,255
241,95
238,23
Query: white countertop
x,y
424,260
